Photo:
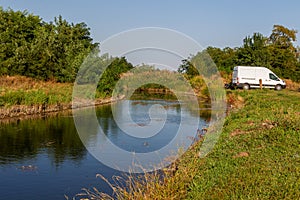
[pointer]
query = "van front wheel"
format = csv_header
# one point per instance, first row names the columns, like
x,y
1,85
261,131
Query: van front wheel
x,y
278,87
246,86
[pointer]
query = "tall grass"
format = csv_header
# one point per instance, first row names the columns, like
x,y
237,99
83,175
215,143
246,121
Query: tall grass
x,y
19,90
21,97
292,85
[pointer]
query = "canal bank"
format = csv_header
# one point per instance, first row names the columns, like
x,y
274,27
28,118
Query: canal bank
x,y
23,97
256,157
18,112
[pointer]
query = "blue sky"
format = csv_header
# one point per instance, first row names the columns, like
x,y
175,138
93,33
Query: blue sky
x,y
216,23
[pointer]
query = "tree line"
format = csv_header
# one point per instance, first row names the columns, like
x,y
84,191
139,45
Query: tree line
x,y
275,52
55,51
47,51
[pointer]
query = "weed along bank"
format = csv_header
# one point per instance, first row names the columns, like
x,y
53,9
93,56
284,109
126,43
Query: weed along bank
x,y
247,77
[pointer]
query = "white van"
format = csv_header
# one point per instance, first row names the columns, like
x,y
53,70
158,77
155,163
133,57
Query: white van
x,y
247,77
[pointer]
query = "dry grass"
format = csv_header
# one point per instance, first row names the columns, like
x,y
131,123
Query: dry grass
x,y
20,90
16,83
234,100
290,85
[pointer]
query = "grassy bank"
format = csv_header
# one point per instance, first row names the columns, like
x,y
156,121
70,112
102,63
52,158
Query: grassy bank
x,y
22,97
258,154
20,90
256,157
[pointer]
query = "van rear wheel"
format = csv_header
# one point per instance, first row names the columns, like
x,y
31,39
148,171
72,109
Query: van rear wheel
x,y
246,86
278,87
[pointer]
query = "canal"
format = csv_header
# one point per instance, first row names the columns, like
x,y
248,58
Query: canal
x,y
44,158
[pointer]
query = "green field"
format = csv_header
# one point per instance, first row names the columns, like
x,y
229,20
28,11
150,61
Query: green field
x,y
258,153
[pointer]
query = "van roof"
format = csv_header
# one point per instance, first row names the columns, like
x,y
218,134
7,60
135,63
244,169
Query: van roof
x,y
249,66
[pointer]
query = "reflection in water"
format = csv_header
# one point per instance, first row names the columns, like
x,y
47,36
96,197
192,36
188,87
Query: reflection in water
x,y
25,139
140,121
44,158
204,105
141,133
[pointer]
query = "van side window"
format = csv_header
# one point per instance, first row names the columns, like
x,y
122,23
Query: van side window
x,y
273,77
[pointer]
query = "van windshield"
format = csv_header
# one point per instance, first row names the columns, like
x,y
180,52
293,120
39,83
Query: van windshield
x,y
273,77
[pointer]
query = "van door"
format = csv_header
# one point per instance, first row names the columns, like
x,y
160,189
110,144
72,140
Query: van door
x,y
262,74
273,80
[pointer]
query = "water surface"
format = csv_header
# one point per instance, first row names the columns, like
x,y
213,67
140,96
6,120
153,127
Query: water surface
x,y
44,158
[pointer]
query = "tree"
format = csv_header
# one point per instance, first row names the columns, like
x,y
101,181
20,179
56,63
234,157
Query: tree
x,y
187,68
17,31
112,74
284,59
283,37
224,59
31,47
254,52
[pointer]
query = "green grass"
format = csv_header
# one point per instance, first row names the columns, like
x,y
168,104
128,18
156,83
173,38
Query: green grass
x,y
21,97
20,90
267,129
